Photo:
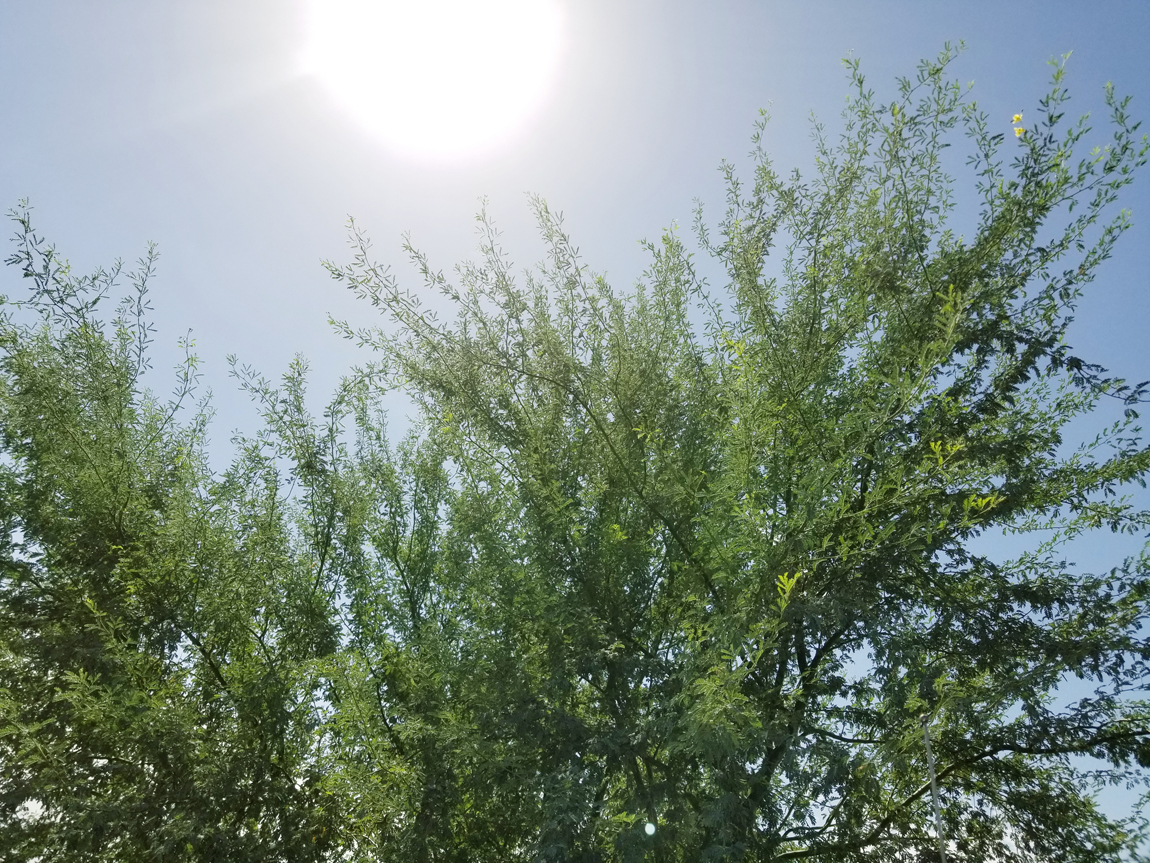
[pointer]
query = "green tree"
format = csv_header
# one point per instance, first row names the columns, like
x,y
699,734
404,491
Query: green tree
x,y
715,572
157,625
698,559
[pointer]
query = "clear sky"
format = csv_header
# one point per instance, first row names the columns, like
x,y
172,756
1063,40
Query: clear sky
x,y
205,127
199,126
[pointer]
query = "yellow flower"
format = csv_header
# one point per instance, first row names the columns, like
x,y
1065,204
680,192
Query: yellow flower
x,y
1018,132
1017,118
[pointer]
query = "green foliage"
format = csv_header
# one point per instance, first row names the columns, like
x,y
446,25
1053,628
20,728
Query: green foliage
x,y
704,559
156,639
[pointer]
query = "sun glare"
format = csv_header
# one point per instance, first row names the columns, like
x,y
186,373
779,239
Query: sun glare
x,y
436,79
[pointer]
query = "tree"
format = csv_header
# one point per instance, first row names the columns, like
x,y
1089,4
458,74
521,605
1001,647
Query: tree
x,y
716,577
675,558
155,631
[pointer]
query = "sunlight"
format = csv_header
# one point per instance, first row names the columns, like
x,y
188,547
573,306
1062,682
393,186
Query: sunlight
x,y
436,79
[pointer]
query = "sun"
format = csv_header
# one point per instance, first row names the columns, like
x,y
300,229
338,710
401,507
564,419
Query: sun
x,y
436,79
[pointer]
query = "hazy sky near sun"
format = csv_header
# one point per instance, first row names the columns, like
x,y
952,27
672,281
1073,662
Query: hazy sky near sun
x,y
198,126
205,127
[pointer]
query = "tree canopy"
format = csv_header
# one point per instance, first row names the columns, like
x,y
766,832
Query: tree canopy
x,y
674,573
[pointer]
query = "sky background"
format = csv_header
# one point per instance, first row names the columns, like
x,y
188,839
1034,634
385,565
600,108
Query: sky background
x,y
194,125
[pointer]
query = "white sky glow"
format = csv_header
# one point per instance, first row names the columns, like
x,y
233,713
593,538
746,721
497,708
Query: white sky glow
x,y
436,79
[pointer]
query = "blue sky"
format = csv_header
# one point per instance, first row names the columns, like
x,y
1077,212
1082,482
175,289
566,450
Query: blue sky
x,y
192,124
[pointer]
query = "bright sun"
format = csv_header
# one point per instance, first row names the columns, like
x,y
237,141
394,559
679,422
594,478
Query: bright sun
x,y
436,78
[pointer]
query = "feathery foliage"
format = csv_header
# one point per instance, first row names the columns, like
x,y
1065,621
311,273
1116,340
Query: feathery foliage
x,y
706,560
